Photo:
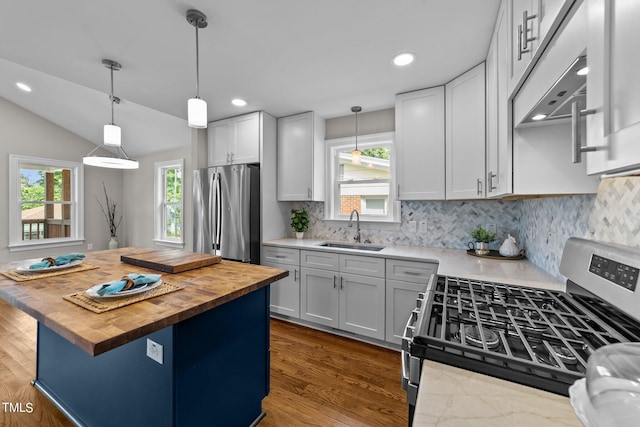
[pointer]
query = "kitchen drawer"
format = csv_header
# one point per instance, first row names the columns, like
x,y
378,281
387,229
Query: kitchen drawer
x,y
281,255
410,271
366,266
318,259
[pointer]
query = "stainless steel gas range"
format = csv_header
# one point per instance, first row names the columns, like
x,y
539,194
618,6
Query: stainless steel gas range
x,y
535,337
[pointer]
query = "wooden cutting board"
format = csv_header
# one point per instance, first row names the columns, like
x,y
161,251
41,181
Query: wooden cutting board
x,y
171,261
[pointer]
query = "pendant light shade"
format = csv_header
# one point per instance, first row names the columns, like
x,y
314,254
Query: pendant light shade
x,y
356,155
112,135
197,107
197,113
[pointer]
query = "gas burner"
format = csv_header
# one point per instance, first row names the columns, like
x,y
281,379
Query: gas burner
x,y
561,353
516,312
473,337
468,304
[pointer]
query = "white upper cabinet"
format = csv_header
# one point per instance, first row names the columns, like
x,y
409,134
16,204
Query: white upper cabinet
x,y
465,135
235,140
499,148
301,158
613,91
420,144
524,37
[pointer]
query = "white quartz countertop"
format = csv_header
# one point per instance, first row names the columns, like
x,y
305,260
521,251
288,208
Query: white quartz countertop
x,y
450,396
451,262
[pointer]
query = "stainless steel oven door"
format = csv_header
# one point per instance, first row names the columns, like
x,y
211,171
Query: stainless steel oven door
x,y
411,365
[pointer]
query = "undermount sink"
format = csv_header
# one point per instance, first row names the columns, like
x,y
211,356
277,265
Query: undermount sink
x,y
356,246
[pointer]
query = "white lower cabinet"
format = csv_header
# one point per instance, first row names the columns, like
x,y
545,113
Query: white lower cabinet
x,y
405,279
331,295
285,293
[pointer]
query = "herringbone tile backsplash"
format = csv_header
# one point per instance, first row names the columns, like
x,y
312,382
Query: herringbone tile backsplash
x,y
541,226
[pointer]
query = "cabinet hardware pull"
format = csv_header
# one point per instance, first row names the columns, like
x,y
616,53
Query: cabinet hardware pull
x,y
479,187
295,275
309,193
576,135
280,256
490,186
412,273
334,281
341,282
523,34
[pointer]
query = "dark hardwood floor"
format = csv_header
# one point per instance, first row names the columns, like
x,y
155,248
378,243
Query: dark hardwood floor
x,y
317,379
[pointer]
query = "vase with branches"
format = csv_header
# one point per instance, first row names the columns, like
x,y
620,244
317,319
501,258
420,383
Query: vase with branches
x,y
109,211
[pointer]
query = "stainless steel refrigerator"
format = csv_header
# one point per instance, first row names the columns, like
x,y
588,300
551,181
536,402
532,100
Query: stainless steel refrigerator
x,y
226,212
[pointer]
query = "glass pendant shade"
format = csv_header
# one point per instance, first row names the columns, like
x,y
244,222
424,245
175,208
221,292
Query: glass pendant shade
x,y
197,113
356,157
112,135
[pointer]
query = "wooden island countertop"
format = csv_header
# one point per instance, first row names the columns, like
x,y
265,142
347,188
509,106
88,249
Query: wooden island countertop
x,y
204,288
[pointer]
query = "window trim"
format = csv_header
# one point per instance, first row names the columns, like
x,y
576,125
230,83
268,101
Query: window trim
x,y
332,201
158,211
77,204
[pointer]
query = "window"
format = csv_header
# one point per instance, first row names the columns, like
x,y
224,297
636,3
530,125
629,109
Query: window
x,y
169,203
45,203
368,187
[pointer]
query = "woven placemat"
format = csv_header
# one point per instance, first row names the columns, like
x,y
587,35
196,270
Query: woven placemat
x,y
23,277
102,305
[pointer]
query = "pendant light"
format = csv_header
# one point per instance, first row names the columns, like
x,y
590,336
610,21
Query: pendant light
x,y
355,154
112,135
197,107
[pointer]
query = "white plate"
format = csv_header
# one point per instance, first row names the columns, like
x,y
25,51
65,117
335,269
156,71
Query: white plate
x,y
25,268
93,291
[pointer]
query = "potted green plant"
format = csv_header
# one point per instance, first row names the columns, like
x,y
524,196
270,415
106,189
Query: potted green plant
x,y
299,221
483,238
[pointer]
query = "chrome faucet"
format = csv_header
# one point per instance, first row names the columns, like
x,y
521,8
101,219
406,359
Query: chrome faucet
x,y
357,236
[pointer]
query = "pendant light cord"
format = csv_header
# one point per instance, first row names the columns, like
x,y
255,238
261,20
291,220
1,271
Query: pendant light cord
x,y
356,131
197,65
111,96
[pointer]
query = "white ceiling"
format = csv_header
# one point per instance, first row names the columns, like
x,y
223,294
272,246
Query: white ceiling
x,y
282,56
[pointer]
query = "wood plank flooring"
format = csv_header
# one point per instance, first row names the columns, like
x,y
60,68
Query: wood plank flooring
x,y
317,379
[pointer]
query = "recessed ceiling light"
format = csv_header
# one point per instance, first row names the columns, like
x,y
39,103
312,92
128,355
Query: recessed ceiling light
x,y
403,59
239,102
583,71
23,86
538,117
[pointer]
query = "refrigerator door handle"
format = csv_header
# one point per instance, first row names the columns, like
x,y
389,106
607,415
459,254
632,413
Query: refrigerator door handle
x,y
214,210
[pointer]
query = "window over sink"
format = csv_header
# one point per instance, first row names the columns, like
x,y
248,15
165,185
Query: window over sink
x,y
45,203
368,186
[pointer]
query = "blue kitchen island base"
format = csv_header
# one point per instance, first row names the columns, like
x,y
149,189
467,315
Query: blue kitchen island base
x,y
215,371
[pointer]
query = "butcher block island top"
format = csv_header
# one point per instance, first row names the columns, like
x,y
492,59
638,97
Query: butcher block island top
x,y
203,289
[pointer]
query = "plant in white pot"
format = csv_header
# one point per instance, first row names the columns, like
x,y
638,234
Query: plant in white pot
x,y
482,238
299,221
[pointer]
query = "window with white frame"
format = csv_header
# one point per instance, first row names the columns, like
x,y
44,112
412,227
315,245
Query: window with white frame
x,y
368,186
45,203
169,203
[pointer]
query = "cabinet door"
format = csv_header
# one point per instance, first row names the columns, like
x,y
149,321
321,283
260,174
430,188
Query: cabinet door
x,y
465,135
246,147
295,157
519,31
612,85
400,301
219,135
319,296
420,144
285,293
499,147
362,305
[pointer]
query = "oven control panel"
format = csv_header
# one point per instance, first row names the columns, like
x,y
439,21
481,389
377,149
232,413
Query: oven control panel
x,y
615,272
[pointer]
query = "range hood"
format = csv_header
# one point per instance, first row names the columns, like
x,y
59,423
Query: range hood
x,y
569,88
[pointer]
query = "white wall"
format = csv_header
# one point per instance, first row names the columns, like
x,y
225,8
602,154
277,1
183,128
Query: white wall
x,y
371,122
139,198
24,133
